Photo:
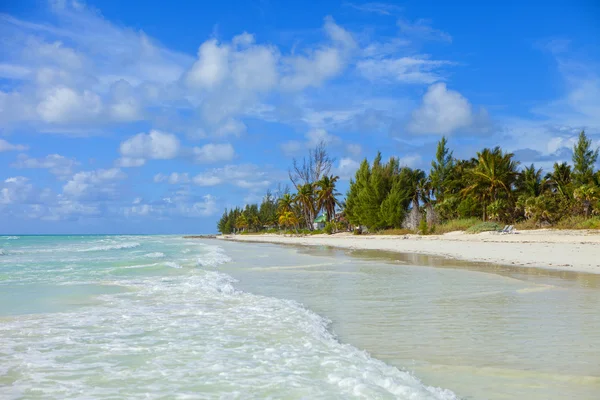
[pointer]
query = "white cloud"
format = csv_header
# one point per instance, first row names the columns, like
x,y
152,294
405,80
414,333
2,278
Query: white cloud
x,y
443,111
15,190
155,145
211,153
207,180
6,146
354,149
63,104
243,175
313,138
376,8
212,66
173,179
422,29
402,70
55,163
321,64
411,161
97,184
346,168
231,127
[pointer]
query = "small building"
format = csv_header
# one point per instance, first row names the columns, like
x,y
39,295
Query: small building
x,y
320,222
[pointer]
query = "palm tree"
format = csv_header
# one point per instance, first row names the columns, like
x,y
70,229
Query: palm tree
x,y
493,175
326,195
285,203
559,180
241,222
306,199
287,219
587,194
530,181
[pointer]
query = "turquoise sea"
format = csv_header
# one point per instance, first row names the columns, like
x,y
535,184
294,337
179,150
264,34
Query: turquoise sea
x,y
156,317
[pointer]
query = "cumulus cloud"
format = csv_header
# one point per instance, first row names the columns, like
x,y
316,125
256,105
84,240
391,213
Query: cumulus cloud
x,y
444,111
211,153
321,64
94,185
6,146
63,104
155,145
15,190
346,168
55,163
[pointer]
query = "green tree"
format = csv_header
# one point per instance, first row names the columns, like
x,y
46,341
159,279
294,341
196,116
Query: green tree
x,y
492,177
306,200
441,169
327,195
587,195
529,181
559,180
584,159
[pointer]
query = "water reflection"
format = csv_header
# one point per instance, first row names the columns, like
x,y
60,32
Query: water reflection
x,y
482,330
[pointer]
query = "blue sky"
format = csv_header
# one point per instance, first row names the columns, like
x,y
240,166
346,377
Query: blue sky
x,y
152,117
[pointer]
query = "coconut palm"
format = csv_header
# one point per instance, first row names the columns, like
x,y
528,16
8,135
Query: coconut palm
x,y
587,195
241,222
530,181
285,203
306,199
288,219
493,176
559,180
326,195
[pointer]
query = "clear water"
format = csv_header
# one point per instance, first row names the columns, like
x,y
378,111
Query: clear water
x,y
165,317
155,317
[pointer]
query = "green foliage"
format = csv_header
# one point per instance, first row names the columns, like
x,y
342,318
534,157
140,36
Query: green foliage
x,y
584,158
329,228
423,227
456,225
384,197
441,169
484,227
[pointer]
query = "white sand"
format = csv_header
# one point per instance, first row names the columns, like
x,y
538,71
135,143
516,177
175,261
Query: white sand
x,y
544,248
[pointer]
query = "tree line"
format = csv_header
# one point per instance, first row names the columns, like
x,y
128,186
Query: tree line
x,y
491,186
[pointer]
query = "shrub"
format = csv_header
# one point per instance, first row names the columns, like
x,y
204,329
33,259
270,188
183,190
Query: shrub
x,y
484,227
456,225
329,228
395,232
423,226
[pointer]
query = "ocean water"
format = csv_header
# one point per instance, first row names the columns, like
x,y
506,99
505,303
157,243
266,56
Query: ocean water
x,y
145,317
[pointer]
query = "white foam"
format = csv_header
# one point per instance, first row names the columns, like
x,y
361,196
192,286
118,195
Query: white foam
x,y
213,256
157,254
116,246
171,330
12,237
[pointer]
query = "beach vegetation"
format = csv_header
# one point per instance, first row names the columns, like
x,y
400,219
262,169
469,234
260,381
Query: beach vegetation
x,y
478,194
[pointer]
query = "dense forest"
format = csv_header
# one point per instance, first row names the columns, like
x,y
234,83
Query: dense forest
x,y
491,186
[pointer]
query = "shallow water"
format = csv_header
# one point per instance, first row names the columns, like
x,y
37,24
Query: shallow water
x,y
162,316
153,317
483,331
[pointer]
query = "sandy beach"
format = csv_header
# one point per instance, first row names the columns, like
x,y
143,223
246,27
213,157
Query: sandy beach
x,y
544,248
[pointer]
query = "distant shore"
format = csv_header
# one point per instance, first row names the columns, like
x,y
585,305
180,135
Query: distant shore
x,y
568,250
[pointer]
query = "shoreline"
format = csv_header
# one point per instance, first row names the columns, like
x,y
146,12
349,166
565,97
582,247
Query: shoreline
x,y
564,250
